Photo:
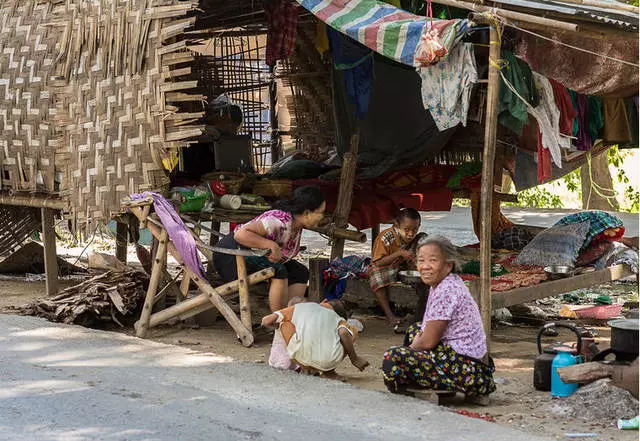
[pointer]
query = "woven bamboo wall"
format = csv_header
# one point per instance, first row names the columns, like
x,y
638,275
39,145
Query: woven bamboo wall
x,y
89,98
310,102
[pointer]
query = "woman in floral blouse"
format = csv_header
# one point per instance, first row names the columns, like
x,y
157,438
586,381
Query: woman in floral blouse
x,y
444,351
279,231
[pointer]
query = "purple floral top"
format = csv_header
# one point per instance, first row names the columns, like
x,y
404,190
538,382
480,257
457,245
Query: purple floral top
x,y
279,227
452,301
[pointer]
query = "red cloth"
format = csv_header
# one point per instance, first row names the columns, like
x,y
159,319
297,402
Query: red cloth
x,y
379,200
544,161
282,18
565,105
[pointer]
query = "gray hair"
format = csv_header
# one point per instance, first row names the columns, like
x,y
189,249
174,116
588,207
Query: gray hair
x,y
449,250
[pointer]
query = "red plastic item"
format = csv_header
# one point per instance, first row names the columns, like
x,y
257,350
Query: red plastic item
x,y
600,312
218,188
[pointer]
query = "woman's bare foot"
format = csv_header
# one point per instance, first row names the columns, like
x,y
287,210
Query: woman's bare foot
x,y
360,363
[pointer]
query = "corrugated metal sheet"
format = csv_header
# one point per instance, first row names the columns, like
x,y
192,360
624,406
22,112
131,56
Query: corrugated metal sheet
x,y
621,19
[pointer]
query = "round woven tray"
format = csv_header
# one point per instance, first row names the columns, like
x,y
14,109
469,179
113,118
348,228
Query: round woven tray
x,y
232,181
277,188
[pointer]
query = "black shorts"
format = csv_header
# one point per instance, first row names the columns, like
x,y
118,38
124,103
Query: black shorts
x,y
225,265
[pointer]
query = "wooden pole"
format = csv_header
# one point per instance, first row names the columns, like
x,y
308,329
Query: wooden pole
x,y
122,234
159,261
375,232
486,192
316,265
33,201
213,240
243,290
345,192
50,255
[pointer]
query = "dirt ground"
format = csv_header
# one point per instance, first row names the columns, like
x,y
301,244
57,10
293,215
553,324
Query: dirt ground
x,y
516,403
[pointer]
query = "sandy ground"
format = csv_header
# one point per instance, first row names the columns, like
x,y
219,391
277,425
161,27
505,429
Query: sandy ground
x,y
515,404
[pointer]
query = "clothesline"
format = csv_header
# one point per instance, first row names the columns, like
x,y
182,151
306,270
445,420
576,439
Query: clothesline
x,y
565,44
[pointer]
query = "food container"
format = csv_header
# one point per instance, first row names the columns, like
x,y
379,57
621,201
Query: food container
x,y
230,201
555,272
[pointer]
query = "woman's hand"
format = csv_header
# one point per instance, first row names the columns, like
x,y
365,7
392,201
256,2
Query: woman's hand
x,y
276,253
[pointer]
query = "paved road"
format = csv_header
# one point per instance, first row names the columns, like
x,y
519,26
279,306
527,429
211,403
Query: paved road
x,y
457,226
66,383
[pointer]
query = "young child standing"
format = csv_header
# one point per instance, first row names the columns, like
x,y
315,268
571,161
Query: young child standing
x,y
391,254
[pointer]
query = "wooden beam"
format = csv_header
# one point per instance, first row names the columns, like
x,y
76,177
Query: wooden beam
x,y
50,254
345,192
486,191
521,17
159,263
561,286
243,290
35,201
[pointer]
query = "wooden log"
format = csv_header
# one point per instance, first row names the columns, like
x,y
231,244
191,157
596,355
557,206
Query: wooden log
x,y
345,192
486,192
180,309
184,287
50,254
316,265
243,291
585,372
521,17
35,201
159,262
122,236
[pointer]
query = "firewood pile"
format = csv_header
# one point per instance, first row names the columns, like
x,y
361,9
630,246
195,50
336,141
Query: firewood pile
x,y
109,297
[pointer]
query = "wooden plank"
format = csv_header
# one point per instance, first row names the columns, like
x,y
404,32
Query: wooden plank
x,y
561,286
316,266
50,255
359,292
488,161
345,192
585,372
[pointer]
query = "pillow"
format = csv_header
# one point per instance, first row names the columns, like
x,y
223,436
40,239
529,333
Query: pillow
x,y
558,245
599,222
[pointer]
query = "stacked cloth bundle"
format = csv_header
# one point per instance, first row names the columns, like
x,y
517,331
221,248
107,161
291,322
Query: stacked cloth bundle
x,y
334,278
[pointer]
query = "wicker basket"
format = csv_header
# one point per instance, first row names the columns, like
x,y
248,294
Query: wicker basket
x,y
277,188
232,181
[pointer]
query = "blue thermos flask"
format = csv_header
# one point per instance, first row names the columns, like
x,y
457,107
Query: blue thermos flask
x,y
558,387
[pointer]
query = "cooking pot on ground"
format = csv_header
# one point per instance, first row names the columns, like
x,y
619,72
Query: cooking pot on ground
x,y
624,341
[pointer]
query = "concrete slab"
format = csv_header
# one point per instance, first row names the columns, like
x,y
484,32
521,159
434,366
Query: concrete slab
x,y
61,382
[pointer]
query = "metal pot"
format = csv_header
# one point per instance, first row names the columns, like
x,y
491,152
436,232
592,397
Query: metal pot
x,y
409,277
624,340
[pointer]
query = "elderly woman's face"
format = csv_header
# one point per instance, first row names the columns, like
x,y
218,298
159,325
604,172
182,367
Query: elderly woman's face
x,y
432,265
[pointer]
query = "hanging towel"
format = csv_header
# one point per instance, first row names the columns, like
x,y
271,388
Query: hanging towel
x,y
616,123
595,120
548,116
512,111
446,86
565,105
583,141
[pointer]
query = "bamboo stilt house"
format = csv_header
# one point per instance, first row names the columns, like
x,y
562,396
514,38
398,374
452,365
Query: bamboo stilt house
x,y
90,90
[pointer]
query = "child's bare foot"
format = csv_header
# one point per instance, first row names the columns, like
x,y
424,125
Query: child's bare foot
x,y
360,363
332,375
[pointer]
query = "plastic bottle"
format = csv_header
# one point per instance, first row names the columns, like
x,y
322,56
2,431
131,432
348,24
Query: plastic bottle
x,y
631,424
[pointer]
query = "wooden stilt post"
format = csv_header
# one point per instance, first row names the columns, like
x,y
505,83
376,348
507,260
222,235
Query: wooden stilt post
x,y
213,240
50,255
243,291
488,159
316,265
345,192
375,232
159,262
122,234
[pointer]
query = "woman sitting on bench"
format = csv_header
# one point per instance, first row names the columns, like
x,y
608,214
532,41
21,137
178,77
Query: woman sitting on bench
x,y
279,231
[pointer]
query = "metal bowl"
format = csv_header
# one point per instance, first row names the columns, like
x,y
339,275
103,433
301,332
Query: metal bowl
x,y
559,271
409,277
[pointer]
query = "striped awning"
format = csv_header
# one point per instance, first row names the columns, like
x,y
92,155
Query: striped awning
x,y
390,31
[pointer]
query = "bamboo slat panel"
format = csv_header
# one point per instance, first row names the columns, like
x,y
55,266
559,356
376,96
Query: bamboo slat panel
x,y
16,226
82,98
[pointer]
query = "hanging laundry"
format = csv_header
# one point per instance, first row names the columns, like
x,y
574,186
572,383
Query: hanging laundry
x,y
322,41
616,123
282,19
583,141
632,117
565,105
512,111
446,86
595,121
576,122
549,120
356,63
